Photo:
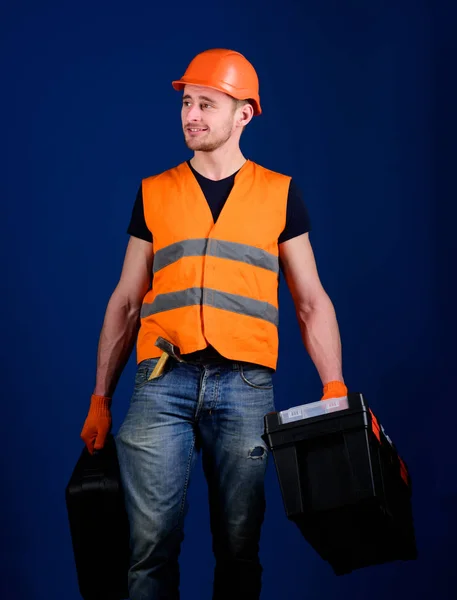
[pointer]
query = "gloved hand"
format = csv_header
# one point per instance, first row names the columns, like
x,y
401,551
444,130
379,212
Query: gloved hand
x,y
97,424
334,389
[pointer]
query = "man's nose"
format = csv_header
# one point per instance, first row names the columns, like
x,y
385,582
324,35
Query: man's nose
x,y
194,113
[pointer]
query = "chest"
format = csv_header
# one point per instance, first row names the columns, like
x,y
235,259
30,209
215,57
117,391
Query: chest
x,y
251,212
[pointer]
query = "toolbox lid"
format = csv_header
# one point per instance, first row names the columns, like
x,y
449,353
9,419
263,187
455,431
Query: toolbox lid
x,y
313,409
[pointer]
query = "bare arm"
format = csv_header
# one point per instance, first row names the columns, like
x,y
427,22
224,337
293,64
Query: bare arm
x,y
122,317
315,312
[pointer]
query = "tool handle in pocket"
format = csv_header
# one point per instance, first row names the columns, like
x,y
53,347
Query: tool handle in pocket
x,y
160,366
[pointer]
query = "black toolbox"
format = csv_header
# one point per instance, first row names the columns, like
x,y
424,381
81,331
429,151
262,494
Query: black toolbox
x,y
98,524
342,482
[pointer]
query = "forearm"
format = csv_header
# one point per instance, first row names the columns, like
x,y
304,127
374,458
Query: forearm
x,y
117,338
321,337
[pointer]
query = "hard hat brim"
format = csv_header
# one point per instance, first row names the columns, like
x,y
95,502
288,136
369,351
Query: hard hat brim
x,y
179,84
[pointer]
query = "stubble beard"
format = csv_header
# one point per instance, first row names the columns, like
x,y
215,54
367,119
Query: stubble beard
x,y
209,145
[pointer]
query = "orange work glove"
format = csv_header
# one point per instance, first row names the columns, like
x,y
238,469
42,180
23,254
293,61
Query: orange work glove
x,y
97,424
334,389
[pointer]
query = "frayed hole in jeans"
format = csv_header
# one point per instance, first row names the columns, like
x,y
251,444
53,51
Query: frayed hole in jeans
x,y
257,452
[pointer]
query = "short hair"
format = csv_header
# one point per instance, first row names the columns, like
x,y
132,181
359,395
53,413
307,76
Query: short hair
x,y
240,103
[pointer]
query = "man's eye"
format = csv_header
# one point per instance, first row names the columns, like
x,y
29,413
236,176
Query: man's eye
x,y
206,105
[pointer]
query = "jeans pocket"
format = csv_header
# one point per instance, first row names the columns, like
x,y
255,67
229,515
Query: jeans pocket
x,y
144,371
257,376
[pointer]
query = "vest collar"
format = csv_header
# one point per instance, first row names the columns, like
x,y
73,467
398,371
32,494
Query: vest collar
x,y
243,175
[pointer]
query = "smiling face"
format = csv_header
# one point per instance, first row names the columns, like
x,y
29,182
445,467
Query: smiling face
x,y
210,118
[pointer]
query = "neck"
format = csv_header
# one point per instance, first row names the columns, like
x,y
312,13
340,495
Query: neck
x,y
219,164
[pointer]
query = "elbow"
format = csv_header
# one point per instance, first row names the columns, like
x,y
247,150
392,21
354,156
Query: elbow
x,y
130,306
134,310
309,306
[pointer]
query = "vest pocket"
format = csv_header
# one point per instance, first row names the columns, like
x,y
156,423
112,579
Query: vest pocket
x,y
257,376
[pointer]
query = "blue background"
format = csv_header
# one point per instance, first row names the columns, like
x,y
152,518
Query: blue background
x,y
359,102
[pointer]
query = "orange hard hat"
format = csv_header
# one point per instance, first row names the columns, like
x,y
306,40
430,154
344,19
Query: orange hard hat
x,y
224,70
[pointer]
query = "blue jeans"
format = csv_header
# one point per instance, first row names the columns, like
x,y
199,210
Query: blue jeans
x,y
215,408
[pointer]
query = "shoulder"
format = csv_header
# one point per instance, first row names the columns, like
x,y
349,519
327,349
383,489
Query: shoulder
x,y
269,172
280,181
295,191
167,174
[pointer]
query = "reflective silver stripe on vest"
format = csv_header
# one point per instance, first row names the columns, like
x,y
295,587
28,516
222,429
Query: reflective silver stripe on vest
x,y
170,254
222,249
196,296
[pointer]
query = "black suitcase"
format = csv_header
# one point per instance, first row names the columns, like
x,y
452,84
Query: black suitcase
x,y
343,483
98,524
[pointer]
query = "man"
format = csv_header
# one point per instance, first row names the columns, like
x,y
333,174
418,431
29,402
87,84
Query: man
x,y
212,232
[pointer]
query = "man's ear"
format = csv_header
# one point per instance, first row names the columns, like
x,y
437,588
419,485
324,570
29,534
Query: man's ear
x,y
246,114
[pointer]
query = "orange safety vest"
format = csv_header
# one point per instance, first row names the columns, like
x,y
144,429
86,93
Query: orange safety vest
x,y
214,283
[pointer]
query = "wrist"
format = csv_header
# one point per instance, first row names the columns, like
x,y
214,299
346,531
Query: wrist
x,y
100,404
333,382
103,392
334,389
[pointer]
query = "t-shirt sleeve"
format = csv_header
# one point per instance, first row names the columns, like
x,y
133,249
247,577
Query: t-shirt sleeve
x,y
297,217
137,226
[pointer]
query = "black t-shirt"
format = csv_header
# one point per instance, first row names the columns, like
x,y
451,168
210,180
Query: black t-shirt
x,y
216,193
